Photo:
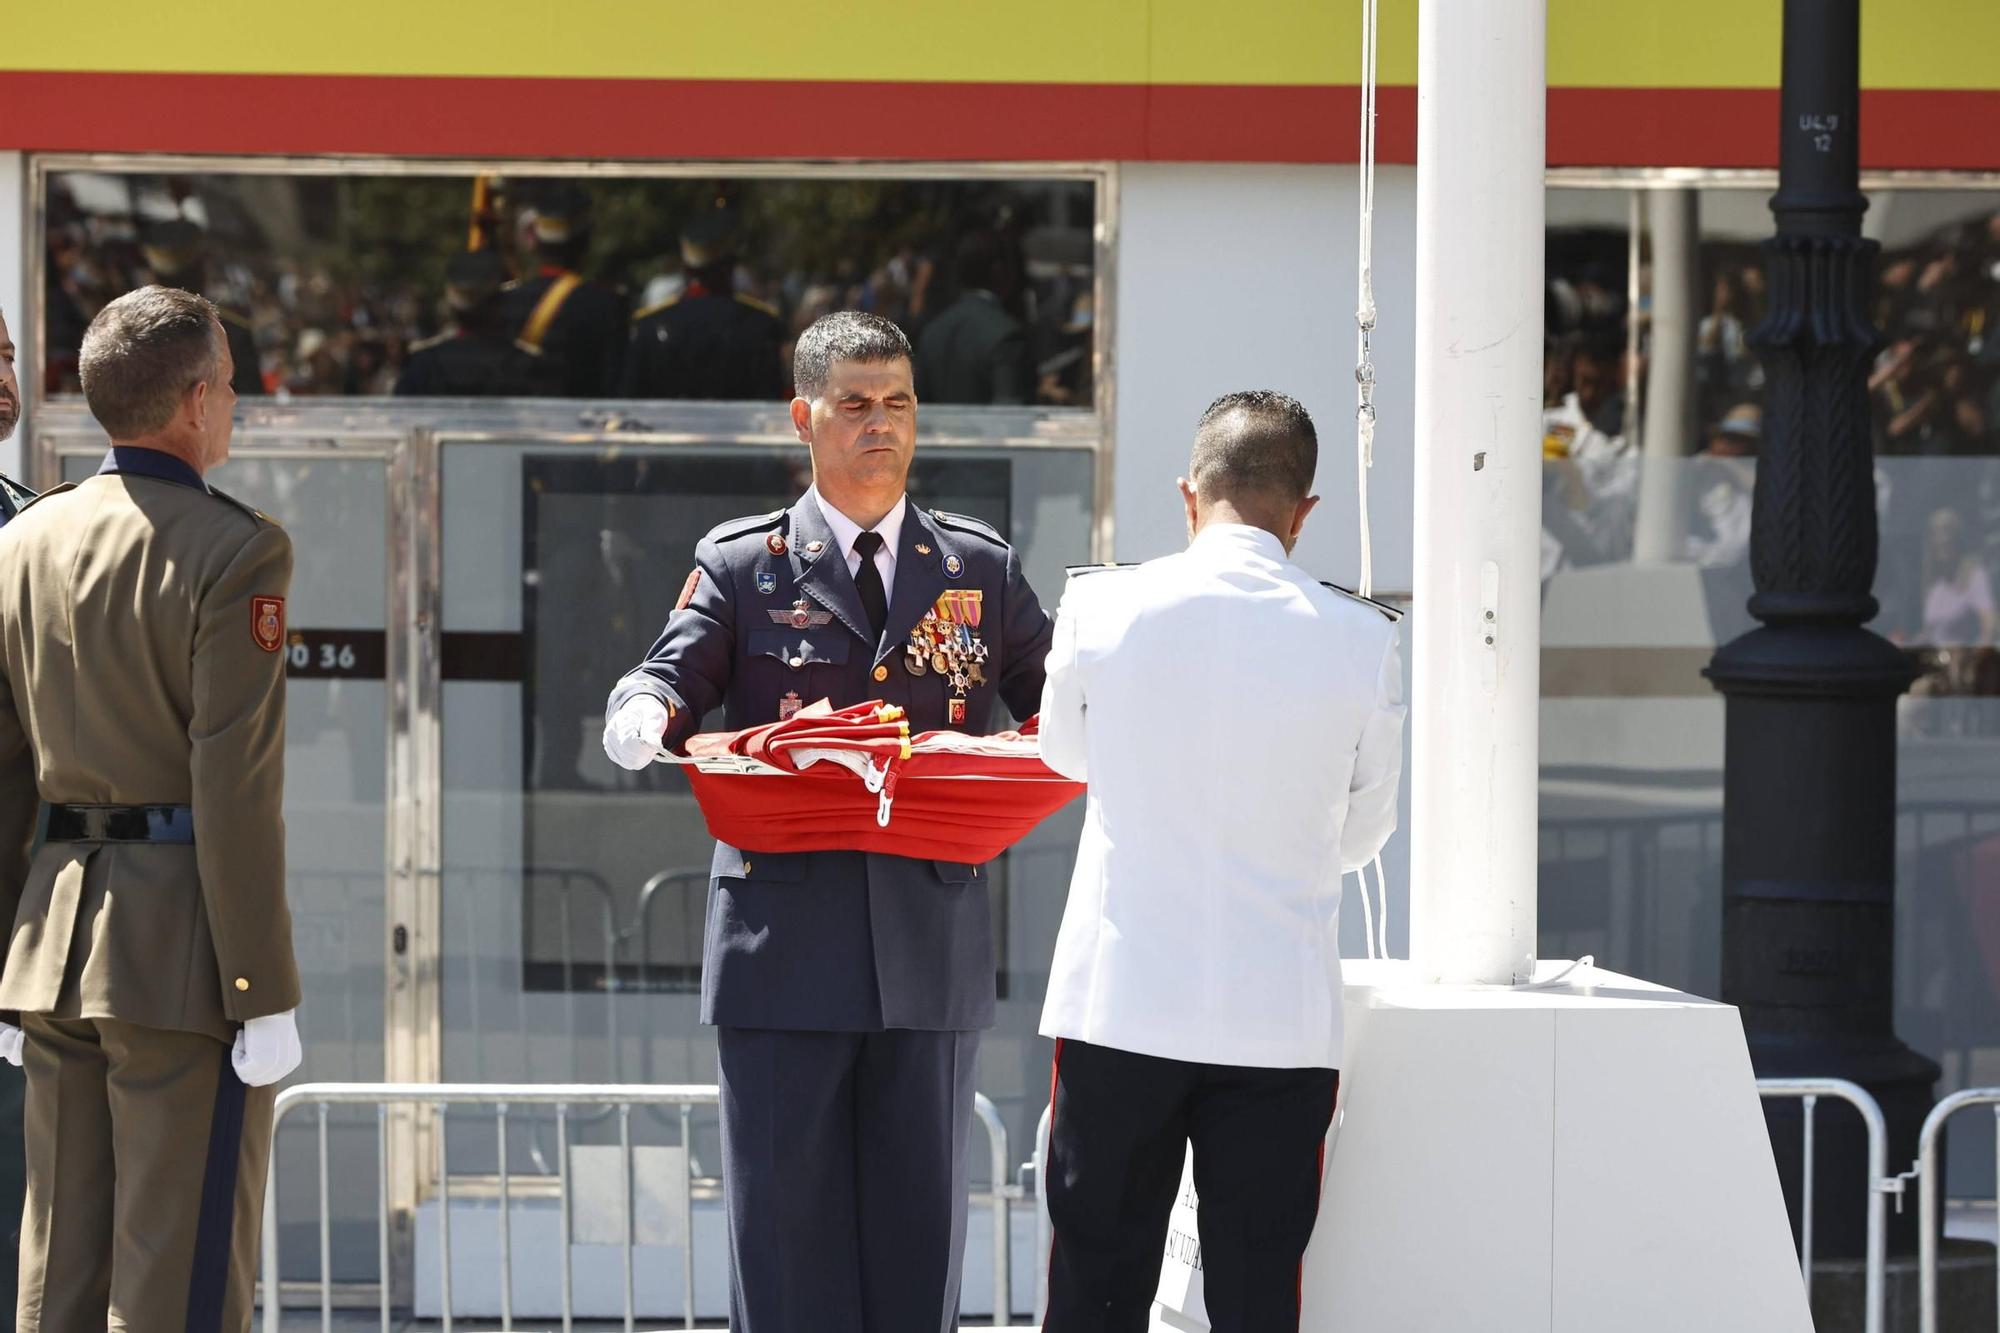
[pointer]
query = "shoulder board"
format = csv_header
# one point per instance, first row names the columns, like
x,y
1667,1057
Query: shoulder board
x,y
254,512
436,340
53,490
1078,571
966,523
656,308
1387,610
743,527
510,284
762,307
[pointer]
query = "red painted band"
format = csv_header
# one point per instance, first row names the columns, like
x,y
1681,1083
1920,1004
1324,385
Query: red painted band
x,y
640,119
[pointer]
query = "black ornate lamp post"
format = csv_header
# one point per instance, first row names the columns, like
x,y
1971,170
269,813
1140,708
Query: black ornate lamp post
x,y
1809,785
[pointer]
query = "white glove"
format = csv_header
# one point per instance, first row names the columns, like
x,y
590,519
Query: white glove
x,y
11,1039
632,736
267,1049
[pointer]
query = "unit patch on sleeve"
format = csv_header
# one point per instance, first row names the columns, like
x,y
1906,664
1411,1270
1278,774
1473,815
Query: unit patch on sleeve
x,y
267,622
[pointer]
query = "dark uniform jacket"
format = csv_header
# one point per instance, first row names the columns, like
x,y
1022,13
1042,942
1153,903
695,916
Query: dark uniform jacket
x,y
973,352
841,941
714,346
583,344
473,365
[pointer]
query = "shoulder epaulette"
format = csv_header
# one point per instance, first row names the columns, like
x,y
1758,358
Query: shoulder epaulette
x,y
762,307
1078,571
743,527
251,510
53,490
1391,612
656,308
435,340
966,523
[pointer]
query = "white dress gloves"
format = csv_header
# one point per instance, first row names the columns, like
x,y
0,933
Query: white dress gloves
x,y
267,1049
632,736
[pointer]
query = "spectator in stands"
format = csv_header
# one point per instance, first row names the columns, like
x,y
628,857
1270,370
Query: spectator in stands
x,y
1958,596
475,357
975,351
1592,470
176,252
1723,478
709,340
577,326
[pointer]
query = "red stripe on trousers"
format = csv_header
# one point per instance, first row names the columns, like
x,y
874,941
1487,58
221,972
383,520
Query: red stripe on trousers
x,y
1319,1193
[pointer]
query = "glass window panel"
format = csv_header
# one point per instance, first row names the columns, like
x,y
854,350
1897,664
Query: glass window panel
x,y
358,283
1646,572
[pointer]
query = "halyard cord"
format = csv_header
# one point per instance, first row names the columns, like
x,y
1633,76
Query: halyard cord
x,y
1375,923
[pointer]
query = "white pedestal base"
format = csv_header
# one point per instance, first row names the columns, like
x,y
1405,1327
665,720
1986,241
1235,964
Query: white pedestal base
x,y
1571,1160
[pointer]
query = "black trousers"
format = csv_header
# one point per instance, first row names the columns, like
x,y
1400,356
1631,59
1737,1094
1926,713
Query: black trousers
x,y
843,1162
1117,1138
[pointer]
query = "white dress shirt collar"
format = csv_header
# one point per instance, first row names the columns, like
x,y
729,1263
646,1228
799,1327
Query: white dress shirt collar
x,y
845,530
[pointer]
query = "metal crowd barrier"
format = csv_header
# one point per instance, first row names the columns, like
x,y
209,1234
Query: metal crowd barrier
x,y
1808,1091
617,1097
1880,1183
1928,1202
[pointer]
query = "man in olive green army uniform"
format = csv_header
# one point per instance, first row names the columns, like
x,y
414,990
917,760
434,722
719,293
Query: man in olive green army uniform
x,y
142,698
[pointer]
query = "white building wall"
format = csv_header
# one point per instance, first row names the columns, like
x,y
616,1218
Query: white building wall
x,y
1243,277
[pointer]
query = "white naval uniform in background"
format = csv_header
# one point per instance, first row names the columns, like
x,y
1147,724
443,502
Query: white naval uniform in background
x,y
1240,728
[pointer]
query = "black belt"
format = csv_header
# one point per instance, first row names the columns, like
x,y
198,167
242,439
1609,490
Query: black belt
x,y
121,823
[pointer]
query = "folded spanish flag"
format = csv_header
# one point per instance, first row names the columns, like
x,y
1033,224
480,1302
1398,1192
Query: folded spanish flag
x,y
855,779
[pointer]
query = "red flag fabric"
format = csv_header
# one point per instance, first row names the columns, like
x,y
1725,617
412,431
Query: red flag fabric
x,y
855,779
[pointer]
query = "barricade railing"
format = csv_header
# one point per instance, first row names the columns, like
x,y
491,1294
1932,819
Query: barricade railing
x,y
620,1099
1880,1183
1928,1203
1806,1090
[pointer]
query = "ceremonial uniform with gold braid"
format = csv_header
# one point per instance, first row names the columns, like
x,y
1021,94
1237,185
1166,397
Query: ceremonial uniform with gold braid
x,y
849,987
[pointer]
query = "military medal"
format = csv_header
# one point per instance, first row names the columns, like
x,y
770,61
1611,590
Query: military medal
x,y
953,566
775,543
789,705
958,712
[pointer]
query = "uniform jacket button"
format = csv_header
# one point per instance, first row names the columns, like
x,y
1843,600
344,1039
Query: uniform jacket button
x,y
798,662
242,983
881,673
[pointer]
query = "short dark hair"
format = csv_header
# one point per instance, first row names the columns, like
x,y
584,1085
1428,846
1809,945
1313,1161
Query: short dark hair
x,y
844,335
1255,443
142,353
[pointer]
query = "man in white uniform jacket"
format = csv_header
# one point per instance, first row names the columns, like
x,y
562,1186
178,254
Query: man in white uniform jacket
x,y
1195,993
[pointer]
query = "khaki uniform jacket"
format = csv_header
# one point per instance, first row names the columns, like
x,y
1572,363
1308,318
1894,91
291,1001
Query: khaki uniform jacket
x,y
142,662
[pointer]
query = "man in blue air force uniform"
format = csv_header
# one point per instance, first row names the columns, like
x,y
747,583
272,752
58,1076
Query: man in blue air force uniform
x,y
849,988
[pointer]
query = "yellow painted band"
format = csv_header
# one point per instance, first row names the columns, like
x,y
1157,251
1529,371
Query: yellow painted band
x,y
1916,44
